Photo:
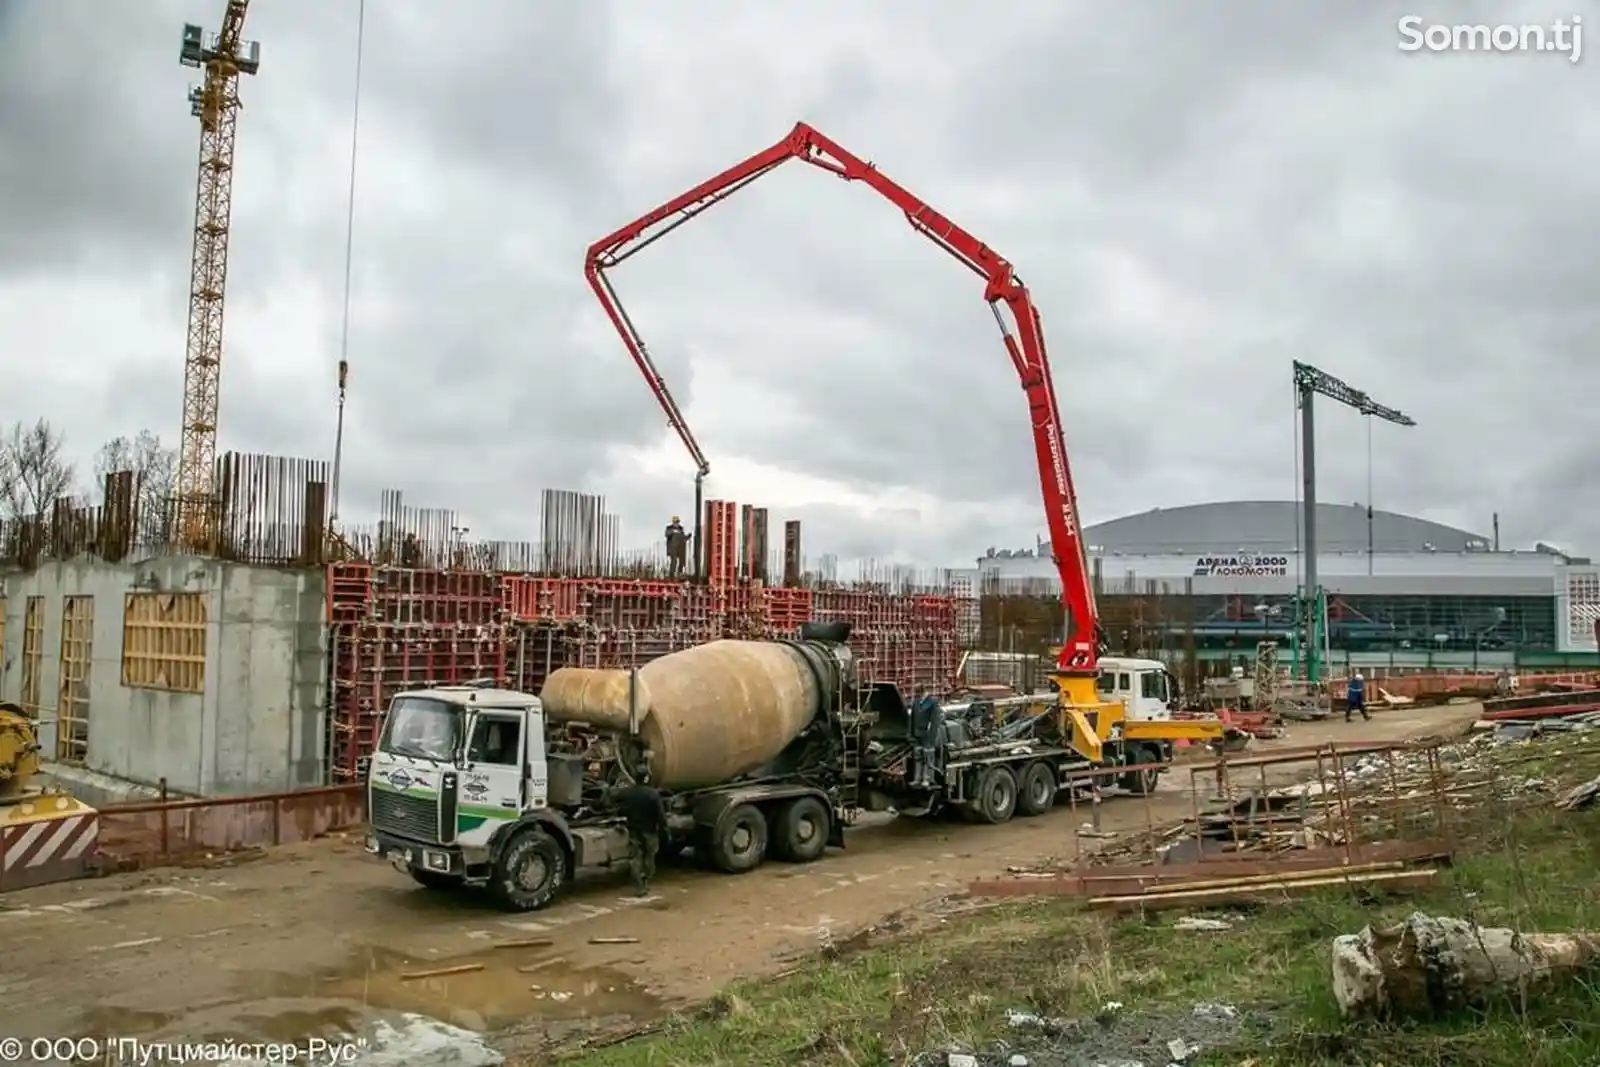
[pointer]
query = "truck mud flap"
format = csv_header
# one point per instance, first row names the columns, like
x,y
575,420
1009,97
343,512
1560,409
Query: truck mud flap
x,y
835,831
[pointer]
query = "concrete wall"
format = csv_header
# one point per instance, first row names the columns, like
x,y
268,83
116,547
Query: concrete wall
x,y
257,727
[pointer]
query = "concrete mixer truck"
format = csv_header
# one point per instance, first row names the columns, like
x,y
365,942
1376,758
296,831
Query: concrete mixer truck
x,y
747,740
762,750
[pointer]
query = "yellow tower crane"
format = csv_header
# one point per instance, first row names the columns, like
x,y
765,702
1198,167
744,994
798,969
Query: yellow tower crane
x,y
215,102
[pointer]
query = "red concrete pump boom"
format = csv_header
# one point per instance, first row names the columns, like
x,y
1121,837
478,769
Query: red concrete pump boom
x,y
1084,639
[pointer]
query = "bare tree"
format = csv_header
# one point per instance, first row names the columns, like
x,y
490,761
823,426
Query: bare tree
x,y
156,469
33,470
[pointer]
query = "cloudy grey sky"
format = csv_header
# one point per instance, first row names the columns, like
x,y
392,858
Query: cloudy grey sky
x,y
1196,194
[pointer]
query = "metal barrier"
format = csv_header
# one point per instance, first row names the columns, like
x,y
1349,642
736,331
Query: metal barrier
x,y
140,835
1351,805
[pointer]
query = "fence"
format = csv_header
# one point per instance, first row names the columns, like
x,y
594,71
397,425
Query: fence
x,y
150,834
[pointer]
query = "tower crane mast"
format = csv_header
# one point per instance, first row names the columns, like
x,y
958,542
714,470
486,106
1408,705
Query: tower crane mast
x,y
223,56
1309,382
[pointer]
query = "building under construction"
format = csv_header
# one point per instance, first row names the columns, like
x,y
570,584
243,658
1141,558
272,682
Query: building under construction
x,y
267,665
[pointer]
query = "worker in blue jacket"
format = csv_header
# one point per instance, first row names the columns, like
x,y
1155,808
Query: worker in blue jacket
x,y
1355,698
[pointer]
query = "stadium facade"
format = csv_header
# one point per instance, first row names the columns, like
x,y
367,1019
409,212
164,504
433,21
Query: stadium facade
x,y
1404,590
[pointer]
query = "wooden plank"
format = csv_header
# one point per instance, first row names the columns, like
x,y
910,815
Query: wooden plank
x,y
441,972
1267,892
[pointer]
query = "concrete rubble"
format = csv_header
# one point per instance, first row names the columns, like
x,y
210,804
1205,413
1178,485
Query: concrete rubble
x,y
1427,966
1114,1037
408,1040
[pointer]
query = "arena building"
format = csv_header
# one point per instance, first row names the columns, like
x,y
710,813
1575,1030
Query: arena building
x,y
1404,590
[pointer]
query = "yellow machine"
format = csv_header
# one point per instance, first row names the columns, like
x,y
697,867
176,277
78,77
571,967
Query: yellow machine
x,y
46,834
1130,701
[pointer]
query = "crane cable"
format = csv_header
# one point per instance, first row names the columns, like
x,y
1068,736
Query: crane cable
x,y
349,258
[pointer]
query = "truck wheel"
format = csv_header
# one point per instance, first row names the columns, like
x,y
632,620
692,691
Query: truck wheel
x,y
740,843
530,872
800,832
1036,791
996,799
1141,783
435,880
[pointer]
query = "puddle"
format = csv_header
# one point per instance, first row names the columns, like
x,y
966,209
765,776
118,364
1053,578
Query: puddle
x,y
510,987
523,989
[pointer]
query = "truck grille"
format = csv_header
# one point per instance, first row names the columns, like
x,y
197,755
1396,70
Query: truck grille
x,y
405,815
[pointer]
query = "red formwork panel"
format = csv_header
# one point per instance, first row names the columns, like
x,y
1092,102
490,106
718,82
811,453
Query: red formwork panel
x,y
373,661
527,598
349,592
398,628
440,597
934,612
785,610
722,542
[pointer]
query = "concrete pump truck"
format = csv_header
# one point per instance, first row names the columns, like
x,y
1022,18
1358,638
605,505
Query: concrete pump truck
x,y
763,749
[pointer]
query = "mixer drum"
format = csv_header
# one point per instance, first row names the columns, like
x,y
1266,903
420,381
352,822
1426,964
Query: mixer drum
x,y
707,714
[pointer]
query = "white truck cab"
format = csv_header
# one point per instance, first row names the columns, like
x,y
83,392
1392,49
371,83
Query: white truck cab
x,y
1144,686
461,791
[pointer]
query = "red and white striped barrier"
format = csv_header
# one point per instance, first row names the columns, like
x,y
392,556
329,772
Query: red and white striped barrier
x,y
47,850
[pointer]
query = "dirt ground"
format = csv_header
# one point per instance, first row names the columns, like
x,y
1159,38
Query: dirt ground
x,y
319,938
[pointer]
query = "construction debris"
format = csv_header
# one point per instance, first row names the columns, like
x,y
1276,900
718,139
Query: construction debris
x,y
1429,966
1566,702
1262,890
1579,797
1114,1036
441,972
1364,811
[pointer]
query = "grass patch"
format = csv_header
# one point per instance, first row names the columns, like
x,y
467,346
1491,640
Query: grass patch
x,y
954,982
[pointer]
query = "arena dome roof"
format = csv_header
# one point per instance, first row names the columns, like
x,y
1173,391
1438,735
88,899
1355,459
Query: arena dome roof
x,y
1271,526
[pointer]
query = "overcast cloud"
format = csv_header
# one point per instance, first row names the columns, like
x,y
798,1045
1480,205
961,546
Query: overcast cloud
x,y
1197,193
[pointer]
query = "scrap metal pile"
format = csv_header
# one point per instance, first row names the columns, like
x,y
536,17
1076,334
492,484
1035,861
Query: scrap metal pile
x,y
1269,825
1563,709
1383,817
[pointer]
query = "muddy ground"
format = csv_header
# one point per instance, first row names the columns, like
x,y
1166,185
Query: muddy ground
x,y
316,938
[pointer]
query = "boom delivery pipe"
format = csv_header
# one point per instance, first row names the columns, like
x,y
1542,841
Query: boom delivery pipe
x,y
711,713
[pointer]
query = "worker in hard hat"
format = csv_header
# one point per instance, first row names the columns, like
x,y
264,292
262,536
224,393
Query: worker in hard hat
x,y
677,547
1355,698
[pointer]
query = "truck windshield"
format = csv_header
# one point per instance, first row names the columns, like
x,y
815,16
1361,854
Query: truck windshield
x,y
423,728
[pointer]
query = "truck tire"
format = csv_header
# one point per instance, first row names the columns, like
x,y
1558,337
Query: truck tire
x,y
739,842
800,832
996,798
1141,783
1036,789
530,872
435,880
